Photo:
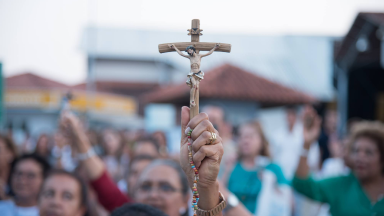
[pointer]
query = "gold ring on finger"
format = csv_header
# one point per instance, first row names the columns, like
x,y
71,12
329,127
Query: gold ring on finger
x,y
213,138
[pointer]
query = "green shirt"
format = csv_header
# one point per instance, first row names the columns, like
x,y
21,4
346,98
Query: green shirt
x,y
246,184
344,194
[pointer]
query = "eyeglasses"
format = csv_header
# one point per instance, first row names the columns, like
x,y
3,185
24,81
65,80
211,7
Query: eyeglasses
x,y
164,189
28,175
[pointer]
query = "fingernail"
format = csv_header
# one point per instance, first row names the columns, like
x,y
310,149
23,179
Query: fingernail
x,y
187,130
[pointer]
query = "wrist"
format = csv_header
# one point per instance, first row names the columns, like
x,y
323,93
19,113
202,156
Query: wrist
x,y
83,144
307,145
209,196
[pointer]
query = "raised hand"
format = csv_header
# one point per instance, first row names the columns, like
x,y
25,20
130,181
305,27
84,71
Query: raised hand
x,y
73,127
312,126
206,158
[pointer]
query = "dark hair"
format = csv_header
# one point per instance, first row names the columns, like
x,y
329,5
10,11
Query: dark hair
x,y
138,159
176,166
372,130
45,167
83,186
151,140
137,209
11,146
141,158
190,47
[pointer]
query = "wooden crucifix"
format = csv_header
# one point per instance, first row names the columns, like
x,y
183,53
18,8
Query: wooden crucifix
x,y
193,49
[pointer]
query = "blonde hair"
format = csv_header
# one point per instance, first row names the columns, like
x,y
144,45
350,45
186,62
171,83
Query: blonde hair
x,y
373,130
264,142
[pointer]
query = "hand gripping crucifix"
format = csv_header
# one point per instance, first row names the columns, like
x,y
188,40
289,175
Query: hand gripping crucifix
x,y
192,48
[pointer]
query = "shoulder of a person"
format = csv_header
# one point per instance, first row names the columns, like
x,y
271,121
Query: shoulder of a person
x,y
330,162
341,180
6,206
273,167
6,203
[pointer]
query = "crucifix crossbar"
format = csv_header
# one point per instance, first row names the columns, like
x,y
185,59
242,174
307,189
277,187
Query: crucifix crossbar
x,y
193,48
195,33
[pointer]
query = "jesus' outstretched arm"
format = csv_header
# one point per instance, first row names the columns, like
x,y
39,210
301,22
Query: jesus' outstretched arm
x,y
172,46
211,51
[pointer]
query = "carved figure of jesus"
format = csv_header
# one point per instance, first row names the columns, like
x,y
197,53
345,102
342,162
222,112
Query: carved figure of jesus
x,y
195,75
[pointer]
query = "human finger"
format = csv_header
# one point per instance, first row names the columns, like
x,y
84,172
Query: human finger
x,y
205,139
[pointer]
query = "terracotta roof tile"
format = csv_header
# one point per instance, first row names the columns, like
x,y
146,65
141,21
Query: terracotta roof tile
x,y
232,83
29,80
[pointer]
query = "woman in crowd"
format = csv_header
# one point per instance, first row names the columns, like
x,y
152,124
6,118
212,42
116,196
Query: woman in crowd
x,y
63,194
43,147
112,144
8,152
253,158
362,191
161,139
26,178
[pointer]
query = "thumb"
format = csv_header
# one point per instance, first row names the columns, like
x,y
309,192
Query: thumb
x,y
184,123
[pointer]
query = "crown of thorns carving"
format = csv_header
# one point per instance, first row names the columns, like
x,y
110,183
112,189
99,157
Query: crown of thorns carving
x,y
190,47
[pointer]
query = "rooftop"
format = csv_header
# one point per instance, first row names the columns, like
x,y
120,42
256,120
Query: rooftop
x,y
232,83
30,80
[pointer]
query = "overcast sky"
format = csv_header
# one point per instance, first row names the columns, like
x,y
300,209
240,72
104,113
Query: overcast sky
x,y
43,36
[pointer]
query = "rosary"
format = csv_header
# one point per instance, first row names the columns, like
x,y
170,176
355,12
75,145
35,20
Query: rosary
x,y
195,197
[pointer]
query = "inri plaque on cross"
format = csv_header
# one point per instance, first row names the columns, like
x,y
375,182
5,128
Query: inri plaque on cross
x,y
193,48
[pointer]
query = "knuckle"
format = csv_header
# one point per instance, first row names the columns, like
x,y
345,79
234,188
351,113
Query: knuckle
x,y
203,150
204,115
217,132
206,135
219,140
205,123
221,150
195,147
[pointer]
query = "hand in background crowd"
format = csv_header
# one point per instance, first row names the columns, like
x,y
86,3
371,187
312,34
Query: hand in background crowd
x,y
312,126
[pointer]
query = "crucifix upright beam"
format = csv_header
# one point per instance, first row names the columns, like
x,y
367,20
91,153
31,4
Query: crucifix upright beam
x,y
193,49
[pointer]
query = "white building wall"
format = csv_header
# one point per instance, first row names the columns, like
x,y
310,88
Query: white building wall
x,y
132,71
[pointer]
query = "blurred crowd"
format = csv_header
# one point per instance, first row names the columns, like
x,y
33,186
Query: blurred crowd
x,y
304,168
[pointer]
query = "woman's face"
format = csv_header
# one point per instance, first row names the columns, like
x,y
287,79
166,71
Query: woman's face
x,y
160,187
61,196
250,142
366,158
27,179
112,142
6,155
42,145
